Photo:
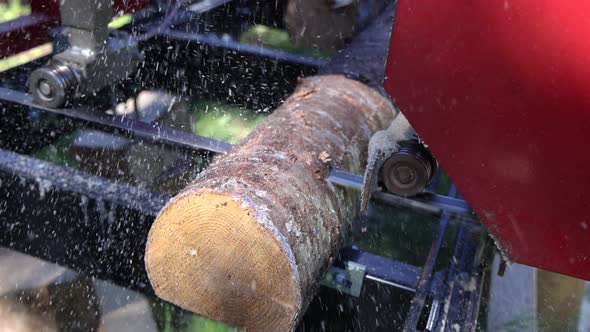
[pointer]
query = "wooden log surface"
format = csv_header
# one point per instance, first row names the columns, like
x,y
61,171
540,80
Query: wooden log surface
x,y
248,241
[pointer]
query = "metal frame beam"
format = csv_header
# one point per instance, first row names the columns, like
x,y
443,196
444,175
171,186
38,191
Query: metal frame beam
x,y
78,220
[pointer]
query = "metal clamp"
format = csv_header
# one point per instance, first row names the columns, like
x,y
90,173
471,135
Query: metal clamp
x,y
348,280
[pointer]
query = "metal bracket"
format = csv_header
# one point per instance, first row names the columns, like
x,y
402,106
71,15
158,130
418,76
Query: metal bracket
x,y
348,280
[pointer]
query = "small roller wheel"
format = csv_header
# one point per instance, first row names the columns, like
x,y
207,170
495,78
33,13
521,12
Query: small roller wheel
x,y
52,85
408,171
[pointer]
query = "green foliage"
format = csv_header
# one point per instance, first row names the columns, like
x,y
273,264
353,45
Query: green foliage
x,y
59,152
275,38
120,21
13,9
224,122
173,319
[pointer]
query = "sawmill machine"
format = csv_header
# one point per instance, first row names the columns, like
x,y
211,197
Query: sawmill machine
x,y
491,92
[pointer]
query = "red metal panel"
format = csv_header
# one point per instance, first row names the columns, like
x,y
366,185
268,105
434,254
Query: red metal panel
x,y
500,91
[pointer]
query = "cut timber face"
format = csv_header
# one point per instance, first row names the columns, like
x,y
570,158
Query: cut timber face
x,y
248,241
230,262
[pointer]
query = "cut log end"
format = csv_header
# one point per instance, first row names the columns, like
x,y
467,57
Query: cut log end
x,y
237,269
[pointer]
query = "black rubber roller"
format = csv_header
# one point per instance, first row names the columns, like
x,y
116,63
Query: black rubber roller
x,y
52,85
408,171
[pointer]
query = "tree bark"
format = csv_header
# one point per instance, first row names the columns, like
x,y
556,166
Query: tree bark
x,y
249,240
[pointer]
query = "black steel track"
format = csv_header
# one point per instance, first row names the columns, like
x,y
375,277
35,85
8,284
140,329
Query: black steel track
x,y
120,125
78,220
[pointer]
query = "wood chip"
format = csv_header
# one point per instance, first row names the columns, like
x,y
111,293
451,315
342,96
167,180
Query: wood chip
x,y
325,157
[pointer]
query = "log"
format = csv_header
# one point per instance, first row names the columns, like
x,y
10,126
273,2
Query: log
x,y
248,241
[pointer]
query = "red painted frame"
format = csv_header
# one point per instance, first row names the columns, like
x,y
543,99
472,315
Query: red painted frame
x,y
29,31
500,91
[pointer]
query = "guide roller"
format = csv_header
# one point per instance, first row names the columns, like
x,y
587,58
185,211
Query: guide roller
x,y
409,170
93,59
398,162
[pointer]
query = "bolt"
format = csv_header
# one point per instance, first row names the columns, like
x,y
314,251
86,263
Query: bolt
x,y
404,174
341,279
45,88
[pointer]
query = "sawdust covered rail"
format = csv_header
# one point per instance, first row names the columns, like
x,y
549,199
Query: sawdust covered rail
x,y
121,125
